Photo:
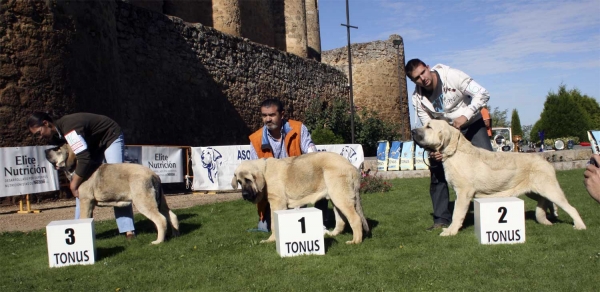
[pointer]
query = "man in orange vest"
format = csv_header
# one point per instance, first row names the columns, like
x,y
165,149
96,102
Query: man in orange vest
x,y
279,138
487,120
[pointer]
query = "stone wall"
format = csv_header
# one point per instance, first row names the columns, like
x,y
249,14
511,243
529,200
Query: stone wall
x,y
378,77
167,82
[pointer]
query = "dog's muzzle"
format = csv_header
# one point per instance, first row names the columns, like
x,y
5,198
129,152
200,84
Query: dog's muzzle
x,y
248,194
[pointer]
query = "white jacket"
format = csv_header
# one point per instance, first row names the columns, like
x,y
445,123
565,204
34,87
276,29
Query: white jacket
x,y
462,97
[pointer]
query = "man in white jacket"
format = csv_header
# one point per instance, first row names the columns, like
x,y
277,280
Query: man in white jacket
x,y
446,93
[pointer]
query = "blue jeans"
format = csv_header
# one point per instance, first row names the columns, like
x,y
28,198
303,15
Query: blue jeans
x,y
124,215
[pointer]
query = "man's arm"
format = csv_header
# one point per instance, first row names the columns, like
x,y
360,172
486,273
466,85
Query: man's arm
x,y
480,96
253,155
592,178
306,142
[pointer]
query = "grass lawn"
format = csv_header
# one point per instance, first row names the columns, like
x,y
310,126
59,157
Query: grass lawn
x,y
216,253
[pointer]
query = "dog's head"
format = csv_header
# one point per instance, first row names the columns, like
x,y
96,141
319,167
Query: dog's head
x,y
437,136
61,157
250,175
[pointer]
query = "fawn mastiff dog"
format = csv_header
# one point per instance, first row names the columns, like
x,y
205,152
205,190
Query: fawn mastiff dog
x,y
472,171
296,181
119,185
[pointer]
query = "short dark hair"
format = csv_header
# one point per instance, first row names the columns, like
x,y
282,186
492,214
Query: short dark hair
x,y
272,102
37,119
411,65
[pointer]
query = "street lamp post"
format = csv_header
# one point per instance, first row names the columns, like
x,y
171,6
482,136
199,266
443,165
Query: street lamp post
x,y
348,26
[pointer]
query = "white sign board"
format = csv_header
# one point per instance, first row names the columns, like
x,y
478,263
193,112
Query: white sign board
x,y
499,220
71,242
25,170
166,162
214,167
299,232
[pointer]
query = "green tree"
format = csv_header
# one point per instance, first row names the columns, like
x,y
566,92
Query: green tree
x,y
589,105
499,117
515,123
329,123
563,115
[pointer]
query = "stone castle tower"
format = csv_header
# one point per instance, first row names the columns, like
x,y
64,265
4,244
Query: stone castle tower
x,y
291,25
379,79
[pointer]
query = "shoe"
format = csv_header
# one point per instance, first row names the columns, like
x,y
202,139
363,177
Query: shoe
x,y
436,226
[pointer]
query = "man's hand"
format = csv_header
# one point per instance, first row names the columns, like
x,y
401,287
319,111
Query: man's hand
x,y
592,178
436,155
458,122
76,181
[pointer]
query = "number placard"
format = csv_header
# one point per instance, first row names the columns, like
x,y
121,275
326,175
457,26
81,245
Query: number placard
x,y
499,220
71,242
299,232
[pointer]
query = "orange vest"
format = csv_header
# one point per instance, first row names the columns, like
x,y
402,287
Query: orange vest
x,y
292,141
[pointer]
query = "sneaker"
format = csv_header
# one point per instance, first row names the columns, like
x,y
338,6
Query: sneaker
x,y
436,226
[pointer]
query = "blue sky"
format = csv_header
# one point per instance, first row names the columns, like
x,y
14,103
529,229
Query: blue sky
x,y
518,50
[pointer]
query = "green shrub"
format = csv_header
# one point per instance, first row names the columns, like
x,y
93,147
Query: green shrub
x,y
326,136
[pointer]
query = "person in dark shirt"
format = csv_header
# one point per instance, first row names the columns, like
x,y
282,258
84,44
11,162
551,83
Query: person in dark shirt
x,y
94,139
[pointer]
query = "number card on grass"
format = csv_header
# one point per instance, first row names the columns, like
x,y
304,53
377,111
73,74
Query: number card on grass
x,y
394,157
299,232
71,242
383,148
499,220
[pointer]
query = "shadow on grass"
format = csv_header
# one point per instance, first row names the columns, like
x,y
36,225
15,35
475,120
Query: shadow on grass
x,y
147,226
106,252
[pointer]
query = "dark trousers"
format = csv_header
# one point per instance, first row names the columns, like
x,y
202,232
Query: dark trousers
x,y
438,188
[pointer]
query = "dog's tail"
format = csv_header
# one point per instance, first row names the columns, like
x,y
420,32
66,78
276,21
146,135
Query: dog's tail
x,y
158,191
359,208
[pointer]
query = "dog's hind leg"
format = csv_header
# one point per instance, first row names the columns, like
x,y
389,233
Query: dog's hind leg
x,y
151,212
169,215
346,206
554,193
540,209
339,223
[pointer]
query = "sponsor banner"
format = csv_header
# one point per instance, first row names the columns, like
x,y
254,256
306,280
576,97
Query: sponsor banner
x,y
214,167
166,162
394,156
353,152
25,170
407,156
420,156
383,149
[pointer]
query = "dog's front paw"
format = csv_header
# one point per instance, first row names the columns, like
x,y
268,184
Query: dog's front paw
x,y
270,239
448,232
156,242
579,226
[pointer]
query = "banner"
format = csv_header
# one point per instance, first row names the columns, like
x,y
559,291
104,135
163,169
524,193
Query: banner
x,y
383,148
394,157
407,156
214,167
25,170
420,156
166,162
353,152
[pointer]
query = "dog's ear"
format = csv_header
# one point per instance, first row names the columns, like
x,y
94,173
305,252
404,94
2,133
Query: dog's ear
x,y
259,181
71,158
451,139
234,182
